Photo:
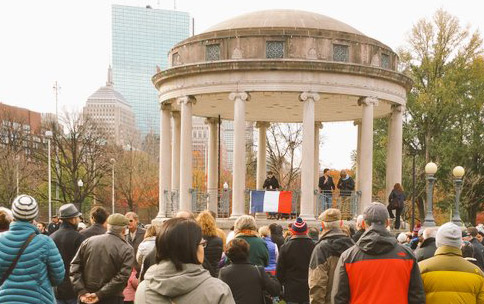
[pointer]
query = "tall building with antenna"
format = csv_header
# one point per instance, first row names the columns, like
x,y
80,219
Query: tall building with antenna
x,y
141,39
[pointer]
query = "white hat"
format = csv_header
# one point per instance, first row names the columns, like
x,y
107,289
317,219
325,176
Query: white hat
x,y
402,238
449,234
25,208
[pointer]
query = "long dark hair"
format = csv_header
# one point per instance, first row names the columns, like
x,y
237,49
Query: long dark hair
x,y
178,242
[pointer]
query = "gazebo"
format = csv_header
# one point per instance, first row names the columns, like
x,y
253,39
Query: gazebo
x,y
278,66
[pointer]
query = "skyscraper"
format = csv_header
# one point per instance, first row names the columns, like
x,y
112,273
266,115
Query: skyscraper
x,y
141,39
110,110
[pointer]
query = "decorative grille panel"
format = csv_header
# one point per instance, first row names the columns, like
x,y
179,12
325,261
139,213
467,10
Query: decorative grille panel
x,y
385,61
212,52
341,53
274,49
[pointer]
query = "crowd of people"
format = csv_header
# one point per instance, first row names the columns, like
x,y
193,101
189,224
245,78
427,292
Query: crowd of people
x,y
189,259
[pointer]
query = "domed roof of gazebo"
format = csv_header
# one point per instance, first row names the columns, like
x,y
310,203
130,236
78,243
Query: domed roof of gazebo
x,y
280,18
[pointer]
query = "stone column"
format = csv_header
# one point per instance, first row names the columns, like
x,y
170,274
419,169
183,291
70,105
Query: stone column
x,y
175,151
212,168
307,165
239,163
165,157
357,123
317,126
261,154
394,149
185,103
366,164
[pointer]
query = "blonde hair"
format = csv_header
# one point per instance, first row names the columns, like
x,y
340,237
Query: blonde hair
x,y
152,230
264,231
207,222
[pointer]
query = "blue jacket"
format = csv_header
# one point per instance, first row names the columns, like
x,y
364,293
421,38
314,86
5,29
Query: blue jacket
x,y
38,269
272,254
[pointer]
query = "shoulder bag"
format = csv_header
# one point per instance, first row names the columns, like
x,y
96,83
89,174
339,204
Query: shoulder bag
x,y
15,261
266,297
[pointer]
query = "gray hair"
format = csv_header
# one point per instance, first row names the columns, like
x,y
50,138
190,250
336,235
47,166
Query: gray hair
x,y
429,232
245,222
119,230
359,221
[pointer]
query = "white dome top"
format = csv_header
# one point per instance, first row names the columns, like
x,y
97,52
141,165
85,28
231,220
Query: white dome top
x,y
284,19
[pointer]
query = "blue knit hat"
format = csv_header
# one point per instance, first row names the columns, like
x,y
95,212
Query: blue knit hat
x,y
299,226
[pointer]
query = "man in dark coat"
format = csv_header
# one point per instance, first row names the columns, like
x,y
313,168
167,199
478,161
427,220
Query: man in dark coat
x,y
346,184
428,247
101,267
293,263
67,240
99,215
332,243
276,234
326,187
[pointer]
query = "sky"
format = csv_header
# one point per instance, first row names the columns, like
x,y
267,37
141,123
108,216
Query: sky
x,y
43,41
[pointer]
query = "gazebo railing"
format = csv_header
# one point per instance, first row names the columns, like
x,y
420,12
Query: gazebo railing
x,y
347,202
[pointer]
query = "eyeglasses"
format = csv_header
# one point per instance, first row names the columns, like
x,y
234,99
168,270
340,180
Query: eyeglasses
x,y
203,243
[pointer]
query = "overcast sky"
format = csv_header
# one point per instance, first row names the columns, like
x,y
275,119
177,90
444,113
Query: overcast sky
x,y
42,41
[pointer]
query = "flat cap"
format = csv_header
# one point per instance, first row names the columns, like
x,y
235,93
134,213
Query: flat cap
x,y
330,215
376,213
117,219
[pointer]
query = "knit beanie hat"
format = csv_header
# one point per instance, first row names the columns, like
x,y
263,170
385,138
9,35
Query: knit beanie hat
x,y
299,226
25,208
449,234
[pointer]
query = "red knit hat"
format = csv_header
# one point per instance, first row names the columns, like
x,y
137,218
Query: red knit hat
x,y
299,226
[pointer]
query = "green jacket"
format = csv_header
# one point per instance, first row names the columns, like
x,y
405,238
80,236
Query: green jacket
x,y
258,252
449,278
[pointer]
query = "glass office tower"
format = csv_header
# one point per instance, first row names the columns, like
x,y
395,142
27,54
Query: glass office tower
x,y
141,39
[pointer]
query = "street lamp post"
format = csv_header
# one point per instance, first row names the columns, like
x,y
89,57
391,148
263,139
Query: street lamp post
x,y
430,170
458,173
48,135
113,161
80,184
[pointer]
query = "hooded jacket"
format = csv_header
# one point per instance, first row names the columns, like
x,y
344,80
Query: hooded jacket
x,y
164,284
377,270
449,278
323,262
39,268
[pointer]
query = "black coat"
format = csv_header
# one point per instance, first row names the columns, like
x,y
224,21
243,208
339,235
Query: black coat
x,y
67,240
357,235
426,250
293,267
271,183
346,186
478,252
95,229
398,197
328,186
213,253
247,282
53,227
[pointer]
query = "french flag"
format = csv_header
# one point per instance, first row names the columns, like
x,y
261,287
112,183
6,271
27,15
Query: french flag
x,y
270,201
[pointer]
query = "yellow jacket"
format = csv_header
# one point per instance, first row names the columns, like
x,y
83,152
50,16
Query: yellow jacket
x,y
449,278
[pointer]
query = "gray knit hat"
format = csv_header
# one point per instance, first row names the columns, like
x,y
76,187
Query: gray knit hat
x,y
25,208
449,234
376,213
